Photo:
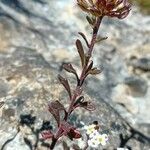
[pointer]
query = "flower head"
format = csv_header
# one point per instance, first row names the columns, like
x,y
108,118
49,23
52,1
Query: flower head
x,y
93,143
94,137
111,8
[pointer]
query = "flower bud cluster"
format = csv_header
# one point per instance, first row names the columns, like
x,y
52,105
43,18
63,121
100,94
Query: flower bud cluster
x,y
111,8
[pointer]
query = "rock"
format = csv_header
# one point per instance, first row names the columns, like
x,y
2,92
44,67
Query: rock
x,y
141,63
17,143
138,86
28,68
121,95
4,88
8,113
37,37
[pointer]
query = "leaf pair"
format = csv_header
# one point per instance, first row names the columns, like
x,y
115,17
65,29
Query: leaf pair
x,y
91,70
69,68
80,102
85,59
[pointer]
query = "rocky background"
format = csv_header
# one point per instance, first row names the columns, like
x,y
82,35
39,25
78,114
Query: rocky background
x,y
36,38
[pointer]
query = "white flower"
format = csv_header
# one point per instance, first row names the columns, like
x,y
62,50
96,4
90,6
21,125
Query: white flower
x,y
102,139
90,129
94,134
97,139
93,143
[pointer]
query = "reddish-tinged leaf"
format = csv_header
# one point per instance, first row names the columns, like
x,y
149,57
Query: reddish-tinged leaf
x,y
65,83
94,71
69,68
80,102
85,39
99,39
80,51
89,66
65,126
47,134
55,108
68,130
74,134
57,105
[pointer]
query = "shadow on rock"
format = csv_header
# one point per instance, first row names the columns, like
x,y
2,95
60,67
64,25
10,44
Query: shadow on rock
x,y
28,121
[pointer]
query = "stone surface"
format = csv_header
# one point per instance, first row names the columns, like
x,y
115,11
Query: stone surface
x,y
37,37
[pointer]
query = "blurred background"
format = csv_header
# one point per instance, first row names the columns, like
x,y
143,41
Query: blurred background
x,y
144,5
38,36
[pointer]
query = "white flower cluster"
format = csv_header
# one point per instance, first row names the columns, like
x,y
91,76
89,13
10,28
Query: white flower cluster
x,y
95,138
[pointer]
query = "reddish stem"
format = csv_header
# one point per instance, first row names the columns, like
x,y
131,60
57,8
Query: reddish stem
x,y
95,32
83,74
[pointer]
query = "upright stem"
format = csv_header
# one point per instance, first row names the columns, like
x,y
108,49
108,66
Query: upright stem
x,y
81,79
91,46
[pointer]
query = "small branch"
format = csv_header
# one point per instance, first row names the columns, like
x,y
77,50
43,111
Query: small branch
x,y
54,141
